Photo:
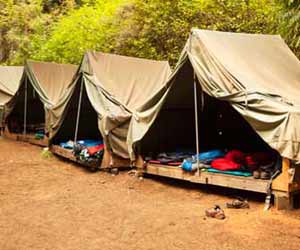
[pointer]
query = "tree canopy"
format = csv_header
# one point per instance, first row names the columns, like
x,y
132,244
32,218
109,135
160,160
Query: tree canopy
x,y
62,30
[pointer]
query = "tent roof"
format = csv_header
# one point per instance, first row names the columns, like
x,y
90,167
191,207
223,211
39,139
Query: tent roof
x,y
257,74
10,77
53,78
260,63
129,80
116,87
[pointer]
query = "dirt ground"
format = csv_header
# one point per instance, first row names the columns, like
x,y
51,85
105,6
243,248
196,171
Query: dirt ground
x,y
54,204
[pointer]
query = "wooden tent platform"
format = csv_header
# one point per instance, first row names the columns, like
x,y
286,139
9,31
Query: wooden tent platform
x,y
224,180
285,187
108,161
30,138
68,154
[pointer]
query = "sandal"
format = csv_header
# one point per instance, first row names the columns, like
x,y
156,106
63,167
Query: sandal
x,y
215,212
238,203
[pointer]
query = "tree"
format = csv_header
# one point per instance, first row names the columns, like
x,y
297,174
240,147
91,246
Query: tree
x,y
82,29
62,30
289,24
159,29
23,24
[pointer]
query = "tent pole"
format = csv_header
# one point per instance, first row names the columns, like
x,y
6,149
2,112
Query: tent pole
x,y
25,108
195,108
196,122
78,111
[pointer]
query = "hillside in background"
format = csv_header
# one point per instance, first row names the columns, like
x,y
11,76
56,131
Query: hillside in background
x,y
62,30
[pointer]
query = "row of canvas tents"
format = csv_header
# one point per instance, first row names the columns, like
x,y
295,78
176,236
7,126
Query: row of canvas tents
x,y
138,108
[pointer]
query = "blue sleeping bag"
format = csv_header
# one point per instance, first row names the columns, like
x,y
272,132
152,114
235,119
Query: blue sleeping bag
x,y
204,158
209,156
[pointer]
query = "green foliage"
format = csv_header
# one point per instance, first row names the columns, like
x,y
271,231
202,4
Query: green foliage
x,y
23,24
158,29
61,31
16,24
86,28
289,24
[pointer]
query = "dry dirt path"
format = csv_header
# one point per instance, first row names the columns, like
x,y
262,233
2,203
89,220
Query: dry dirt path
x,y
52,204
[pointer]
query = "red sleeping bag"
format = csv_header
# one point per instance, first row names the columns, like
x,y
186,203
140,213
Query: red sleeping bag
x,y
235,156
93,150
259,158
225,164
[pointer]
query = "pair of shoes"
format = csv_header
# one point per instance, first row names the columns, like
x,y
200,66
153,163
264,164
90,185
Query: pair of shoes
x,y
264,172
238,203
261,174
215,212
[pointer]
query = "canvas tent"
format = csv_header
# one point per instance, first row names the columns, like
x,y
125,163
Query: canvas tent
x,y
10,77
42,85
109,89
257,75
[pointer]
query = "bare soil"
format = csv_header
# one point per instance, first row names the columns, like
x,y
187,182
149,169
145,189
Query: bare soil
x,y
54,204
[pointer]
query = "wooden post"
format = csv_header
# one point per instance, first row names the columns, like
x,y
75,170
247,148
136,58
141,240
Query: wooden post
x,y
284,187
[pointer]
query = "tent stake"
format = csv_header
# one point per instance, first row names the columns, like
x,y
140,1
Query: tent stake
x,y
25,108
78,111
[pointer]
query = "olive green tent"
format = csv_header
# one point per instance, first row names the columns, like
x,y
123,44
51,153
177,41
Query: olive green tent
x,y
108,90
41,87
258,75
10,77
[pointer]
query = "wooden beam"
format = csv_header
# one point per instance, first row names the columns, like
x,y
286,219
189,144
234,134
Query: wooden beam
x,y
283,200
284,182
111,160
30,138
68,154
223,180
105,164
38,142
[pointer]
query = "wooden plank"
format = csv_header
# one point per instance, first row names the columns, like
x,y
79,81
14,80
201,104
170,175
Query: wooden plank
x,y
25,138
283,200
284,181
38,142
65,153
168,171
112,161
68,154
281,182
230,181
